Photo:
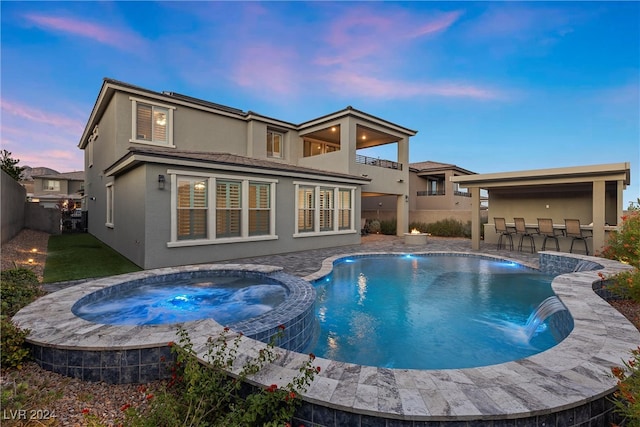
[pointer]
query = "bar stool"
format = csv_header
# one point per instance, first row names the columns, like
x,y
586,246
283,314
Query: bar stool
x,y
521,229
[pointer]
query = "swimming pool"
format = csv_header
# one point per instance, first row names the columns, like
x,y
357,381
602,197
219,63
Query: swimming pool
x,y
432,312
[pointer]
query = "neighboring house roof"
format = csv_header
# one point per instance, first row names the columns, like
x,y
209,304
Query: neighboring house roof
x,y
70,176
171,156
28,172
431,167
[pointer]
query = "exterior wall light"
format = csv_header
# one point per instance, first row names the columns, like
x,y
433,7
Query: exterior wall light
x,y
161,182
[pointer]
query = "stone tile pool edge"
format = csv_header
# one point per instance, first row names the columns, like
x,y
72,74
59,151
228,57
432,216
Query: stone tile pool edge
x,y
566,385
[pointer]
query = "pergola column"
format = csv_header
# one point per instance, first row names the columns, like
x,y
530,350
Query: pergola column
x,y
475,218
598,214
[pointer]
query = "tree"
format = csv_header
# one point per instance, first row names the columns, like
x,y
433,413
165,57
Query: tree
x,y
9,165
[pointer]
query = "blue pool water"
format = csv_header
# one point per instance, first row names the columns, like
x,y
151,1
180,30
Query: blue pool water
x,y
429,312
225,299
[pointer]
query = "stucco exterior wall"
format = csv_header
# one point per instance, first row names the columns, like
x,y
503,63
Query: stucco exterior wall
x,y
37,217
13,201
158,226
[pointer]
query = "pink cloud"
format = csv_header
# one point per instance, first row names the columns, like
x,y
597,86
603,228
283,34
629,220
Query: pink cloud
x,y
271,68
363,32
116,37
523,22
348,83
43,117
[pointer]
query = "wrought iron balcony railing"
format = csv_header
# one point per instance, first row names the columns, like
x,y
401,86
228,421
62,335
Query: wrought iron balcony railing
x,y
373,161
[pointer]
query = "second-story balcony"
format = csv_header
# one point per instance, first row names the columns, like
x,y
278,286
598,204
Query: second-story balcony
x,y
373,161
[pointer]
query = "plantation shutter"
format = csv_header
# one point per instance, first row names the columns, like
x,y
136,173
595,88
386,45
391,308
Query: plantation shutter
x,y
306,208
160,124
192,209
143,123
228,208
344,209
259,208
326,209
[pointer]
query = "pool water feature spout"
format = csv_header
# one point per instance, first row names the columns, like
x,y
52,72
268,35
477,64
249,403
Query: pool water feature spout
x,y
546,308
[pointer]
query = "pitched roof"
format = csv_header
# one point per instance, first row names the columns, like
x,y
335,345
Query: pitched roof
x,y
431,166
71,176
167,155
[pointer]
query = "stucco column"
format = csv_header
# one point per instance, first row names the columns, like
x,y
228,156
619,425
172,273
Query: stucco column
x,y
619,202
402,215
475,218
598,215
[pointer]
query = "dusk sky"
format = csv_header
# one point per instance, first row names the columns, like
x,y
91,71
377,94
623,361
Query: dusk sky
x,y
489,86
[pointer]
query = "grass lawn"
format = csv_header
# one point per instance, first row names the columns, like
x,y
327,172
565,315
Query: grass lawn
x,y
81,256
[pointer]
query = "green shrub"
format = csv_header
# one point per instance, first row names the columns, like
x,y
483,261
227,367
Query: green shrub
x,y
420,226
204,394
627,397
624,244
374,226
388,227
449,227
13,352
18,288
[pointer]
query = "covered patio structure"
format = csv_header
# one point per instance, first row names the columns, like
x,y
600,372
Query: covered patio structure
x,y
592,194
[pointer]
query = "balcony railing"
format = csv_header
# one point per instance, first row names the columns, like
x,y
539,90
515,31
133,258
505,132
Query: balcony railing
x,y
372,161
462,193
430,193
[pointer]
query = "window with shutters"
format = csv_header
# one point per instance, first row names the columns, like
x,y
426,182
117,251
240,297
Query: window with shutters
x,y
51,185
275,141
259,209
344,209
242,209
152,123
306,209
192,208
326,209
228,208
323,209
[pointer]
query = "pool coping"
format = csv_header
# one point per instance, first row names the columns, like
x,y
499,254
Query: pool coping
x,y
573,373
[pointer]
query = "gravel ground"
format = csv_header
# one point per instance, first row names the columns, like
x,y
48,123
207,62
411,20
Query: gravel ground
x,y
54,400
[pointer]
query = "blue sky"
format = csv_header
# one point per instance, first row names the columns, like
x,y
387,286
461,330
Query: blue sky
x,y
489,86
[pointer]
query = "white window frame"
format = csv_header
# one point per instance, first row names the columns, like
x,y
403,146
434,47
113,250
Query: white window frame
x,y
275,154
336,209
134,122
110,205
47,187
212,239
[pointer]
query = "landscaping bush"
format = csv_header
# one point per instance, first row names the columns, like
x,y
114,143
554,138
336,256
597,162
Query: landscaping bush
x,y
627,397
19,288
374,226
420,226
204,394
13,352
388,227
624,246
445,228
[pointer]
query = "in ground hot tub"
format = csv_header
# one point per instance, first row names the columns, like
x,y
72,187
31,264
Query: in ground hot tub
x,y
68,339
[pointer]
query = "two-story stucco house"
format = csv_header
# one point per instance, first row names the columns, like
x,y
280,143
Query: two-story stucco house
x,y
172,180
51,189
